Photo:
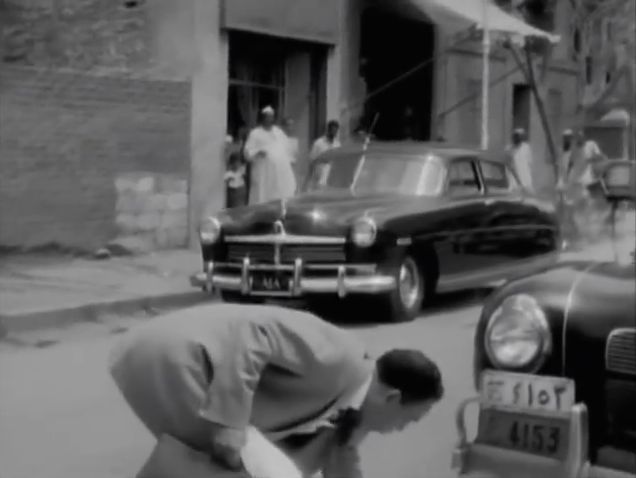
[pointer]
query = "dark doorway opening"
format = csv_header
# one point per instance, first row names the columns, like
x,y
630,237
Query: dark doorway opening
x,y
521,106
392,45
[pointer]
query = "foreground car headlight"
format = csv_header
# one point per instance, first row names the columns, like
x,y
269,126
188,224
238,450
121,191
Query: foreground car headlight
x,y
210,231
364,232
518,334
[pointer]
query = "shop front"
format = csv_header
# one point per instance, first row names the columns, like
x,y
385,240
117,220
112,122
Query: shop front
x,y
278,56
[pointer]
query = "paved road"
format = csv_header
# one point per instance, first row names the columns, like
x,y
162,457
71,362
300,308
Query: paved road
x,y
61,417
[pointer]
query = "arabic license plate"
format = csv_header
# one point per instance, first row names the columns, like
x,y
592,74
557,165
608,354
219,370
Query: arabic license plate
x,y
538,435
270,283
526,392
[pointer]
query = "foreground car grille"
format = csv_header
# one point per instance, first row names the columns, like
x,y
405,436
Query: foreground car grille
x,y
265,253
620,353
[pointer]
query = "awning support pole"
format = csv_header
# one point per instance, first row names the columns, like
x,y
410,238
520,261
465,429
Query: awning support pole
x,y
485,80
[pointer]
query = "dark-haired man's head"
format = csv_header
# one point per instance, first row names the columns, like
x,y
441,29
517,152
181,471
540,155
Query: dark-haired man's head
x,y
405,386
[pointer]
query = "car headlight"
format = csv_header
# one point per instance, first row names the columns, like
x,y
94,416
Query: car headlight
x,y
518,334
364,232
210,231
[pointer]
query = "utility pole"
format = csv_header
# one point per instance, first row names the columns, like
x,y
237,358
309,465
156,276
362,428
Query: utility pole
x,y
485,96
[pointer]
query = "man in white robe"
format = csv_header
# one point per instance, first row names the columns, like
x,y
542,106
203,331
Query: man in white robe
x,y
522,158
267,149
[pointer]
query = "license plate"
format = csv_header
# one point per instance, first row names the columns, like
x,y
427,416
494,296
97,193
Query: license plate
x,y
538,435
270,283
526,392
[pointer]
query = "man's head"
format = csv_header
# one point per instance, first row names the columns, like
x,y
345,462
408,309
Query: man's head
x,y
332,129
267,117
518,136
405,386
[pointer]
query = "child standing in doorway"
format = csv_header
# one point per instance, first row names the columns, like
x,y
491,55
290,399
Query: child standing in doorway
x,y
235,181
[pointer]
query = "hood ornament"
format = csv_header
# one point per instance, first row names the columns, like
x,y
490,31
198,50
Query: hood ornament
x,y
279,228
283,208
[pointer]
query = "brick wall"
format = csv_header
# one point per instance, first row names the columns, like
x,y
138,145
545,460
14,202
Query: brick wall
x,y
65,138
85,35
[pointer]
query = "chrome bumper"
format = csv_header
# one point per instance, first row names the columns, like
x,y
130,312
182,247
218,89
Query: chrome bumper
x,y
347,279
483,461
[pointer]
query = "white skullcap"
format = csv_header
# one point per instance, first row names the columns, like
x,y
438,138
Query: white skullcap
x,y
568,132
268,110
519,131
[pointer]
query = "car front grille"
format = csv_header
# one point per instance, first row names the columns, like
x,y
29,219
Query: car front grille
x,y
265,253
621,351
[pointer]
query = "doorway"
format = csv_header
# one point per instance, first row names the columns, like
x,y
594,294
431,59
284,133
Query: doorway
x,y
391,46
521,105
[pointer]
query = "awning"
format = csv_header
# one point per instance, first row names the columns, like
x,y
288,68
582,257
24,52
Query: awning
x,y
455,16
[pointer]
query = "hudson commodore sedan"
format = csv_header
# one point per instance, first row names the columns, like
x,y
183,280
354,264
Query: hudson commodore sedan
x,y
394,223
555,364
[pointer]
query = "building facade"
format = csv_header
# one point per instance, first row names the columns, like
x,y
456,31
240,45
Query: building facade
x,y
369,63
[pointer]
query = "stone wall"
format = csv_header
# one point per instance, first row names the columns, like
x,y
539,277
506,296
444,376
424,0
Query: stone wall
x,y
152,211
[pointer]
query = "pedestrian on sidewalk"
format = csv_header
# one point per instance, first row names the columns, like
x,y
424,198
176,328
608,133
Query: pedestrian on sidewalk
x,y
584,185
328,141
206,375
521,156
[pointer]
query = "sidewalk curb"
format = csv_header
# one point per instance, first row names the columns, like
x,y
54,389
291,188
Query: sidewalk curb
x,y
46,319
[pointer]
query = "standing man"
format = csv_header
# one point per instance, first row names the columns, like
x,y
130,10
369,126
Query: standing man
x,y
567,140
267,149
203,375
326,142
522,158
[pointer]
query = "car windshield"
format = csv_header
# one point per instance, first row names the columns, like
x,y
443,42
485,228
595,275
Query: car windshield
x,y
375,173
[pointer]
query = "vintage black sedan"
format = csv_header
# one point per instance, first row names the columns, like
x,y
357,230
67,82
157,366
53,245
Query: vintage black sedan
x,y
393,223
555,365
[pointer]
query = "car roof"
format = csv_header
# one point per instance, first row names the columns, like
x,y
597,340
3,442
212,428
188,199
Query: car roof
x,y
444,151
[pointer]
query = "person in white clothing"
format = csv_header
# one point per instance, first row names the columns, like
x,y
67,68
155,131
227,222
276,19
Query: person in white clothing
x,y
267,149
328,141
522,158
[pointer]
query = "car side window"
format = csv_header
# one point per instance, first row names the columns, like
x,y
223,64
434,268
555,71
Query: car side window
x,y
462,178
496,176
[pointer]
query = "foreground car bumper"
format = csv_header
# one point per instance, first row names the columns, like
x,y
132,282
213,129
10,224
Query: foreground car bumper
x,y
340,279
476,460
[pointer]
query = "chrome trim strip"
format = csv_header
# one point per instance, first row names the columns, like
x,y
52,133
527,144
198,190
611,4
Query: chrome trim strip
x,y
363,268
486,230
283,239
566,314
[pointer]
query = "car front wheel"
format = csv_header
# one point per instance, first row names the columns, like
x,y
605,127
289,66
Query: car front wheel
x,y
404,303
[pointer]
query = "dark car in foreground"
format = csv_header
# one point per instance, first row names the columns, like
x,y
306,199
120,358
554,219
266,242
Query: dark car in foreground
x,y
555,365
394,223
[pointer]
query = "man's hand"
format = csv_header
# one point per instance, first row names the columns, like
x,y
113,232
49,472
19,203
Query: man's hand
x,y
227,444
